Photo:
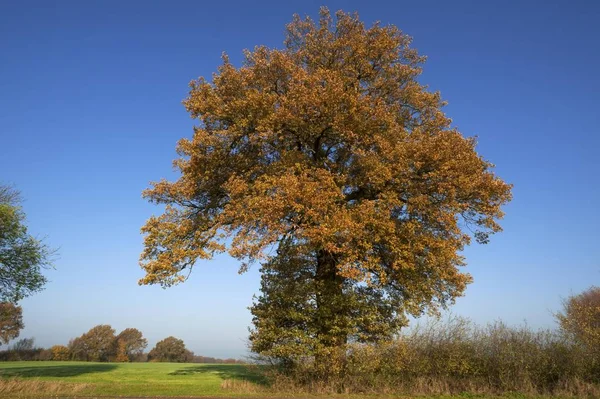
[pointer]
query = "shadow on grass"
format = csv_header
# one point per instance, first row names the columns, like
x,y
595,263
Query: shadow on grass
x,y
56,371
226,372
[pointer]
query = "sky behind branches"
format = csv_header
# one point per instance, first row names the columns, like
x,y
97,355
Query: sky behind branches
x,y
90,112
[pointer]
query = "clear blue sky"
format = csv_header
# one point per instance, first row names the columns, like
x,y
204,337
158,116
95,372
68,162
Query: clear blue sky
x,y
90,111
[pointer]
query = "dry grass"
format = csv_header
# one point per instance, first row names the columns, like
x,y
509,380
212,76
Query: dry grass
x,y
426,386
16,388
241,386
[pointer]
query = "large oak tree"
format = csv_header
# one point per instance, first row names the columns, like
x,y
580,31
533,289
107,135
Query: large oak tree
x,y
329,163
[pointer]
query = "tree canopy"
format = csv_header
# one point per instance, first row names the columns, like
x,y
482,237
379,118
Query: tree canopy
x,y
170,349
580,318
11,321
60,353
101,344
22,256
331,165
97,345
133,342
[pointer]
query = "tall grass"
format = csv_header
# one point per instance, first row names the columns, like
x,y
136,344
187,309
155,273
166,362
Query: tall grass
x,y
455,356
14,388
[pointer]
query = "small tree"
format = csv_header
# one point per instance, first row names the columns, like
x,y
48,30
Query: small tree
x,y
22,257
170,349
77,349
133,342
24,344
11,321
580,318
60,353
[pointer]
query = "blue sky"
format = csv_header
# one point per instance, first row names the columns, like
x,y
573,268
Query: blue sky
x,y
90,111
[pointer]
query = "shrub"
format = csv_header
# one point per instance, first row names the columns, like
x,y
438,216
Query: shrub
x,y
60,352
580,318
453,357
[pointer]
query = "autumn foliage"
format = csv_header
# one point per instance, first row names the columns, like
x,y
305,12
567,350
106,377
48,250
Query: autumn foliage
x,y
170,349
121,355
130,343
330,164
60,352
101,344
581,319
96,345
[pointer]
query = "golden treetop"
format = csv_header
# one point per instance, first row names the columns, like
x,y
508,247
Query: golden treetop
x,y
331,141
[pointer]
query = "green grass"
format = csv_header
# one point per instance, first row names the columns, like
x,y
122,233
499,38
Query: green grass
x,y
130,379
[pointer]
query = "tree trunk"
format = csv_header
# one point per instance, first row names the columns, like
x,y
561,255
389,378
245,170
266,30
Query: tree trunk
x,y
332,320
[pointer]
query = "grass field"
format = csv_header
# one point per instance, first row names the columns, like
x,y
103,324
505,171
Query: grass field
x,y
114,380
83,379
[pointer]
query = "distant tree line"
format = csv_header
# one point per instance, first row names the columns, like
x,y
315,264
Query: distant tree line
x,y
102,344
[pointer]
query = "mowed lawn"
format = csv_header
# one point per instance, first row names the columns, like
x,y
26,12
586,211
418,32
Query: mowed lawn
x,y
123,379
